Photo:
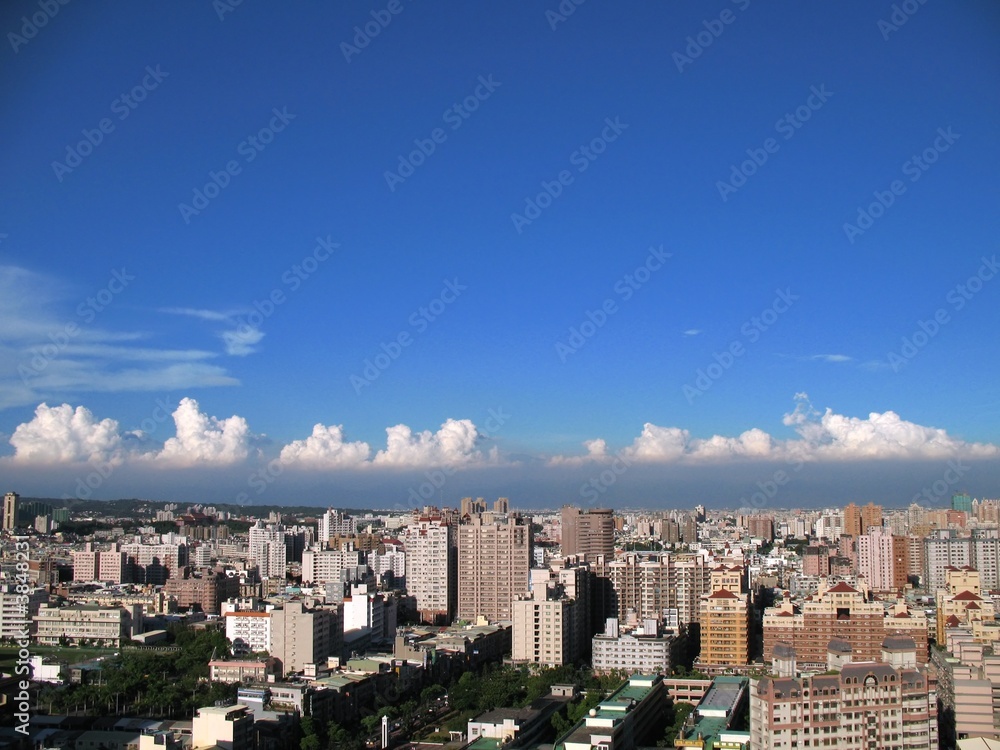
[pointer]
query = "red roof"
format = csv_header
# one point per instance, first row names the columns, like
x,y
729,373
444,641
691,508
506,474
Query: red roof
x,y
966,596
723,594
843,588
952,621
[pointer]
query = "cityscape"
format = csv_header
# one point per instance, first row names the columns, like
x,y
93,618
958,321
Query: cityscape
x,y
482,626
552,374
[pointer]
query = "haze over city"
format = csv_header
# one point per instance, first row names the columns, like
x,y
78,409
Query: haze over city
x,y
627,255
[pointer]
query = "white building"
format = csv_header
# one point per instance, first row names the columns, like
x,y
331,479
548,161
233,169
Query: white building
x,y
268,550
16,610
431,560
326,565
333,523
248,631
642,651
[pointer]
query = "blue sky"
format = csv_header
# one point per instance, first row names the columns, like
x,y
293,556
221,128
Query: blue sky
x,y
635,115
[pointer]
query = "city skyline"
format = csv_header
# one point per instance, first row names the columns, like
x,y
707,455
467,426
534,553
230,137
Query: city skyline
x,y
741,255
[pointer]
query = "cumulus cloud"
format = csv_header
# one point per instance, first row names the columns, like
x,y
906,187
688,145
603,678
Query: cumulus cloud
x,y
326,448
62,434
597,450
453,444
822,436
201,438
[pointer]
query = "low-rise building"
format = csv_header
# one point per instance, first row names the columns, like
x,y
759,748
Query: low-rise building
x,y
84,623
626,719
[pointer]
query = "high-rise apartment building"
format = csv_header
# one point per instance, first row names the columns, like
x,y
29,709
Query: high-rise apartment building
x,y
334,523
866,706
942,553
494,556
658,585
431,567
962,501
10,503
588,532
268,550
841,612
877,559
551,625
327,565
858,521
725,630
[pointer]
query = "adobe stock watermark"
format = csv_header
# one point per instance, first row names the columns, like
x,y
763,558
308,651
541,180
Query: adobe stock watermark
x,y
250,148
21,701
30,26
419,320
455,116
592,489
438,478
624,289
940,488
751,330
292,279
581,158
260,479
697,44
363,35
769,488
957,297
87,312
901,13
562,12
223,8
122,106
787,126
915,167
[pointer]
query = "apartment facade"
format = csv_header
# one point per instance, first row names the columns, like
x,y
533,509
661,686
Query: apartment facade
x,y
301,636
867,706
636,652
494,557
431,567
587,532
841,612
725,631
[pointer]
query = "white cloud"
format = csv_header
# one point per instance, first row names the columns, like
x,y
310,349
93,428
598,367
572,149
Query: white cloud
x,y
453,444
597,450
326,448
201,438
822,436
831,358
692,332
242,341
62,434
213,315
55,344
